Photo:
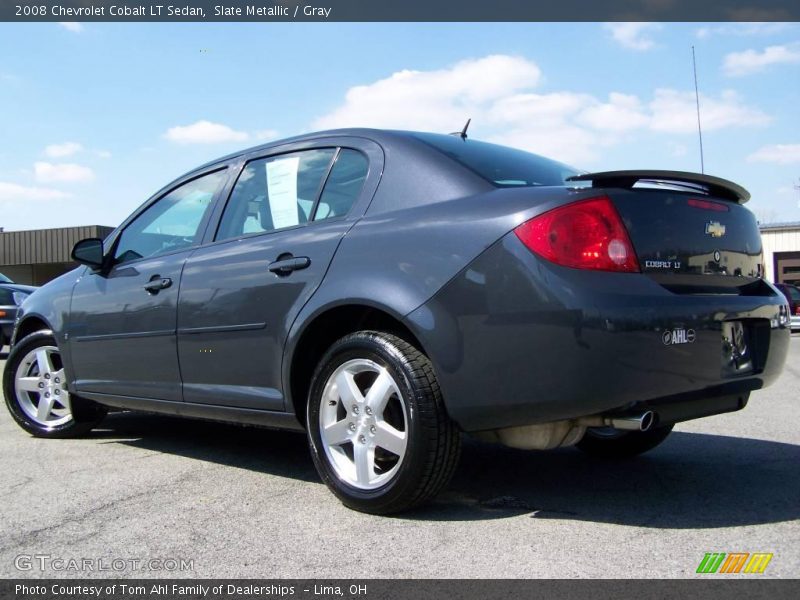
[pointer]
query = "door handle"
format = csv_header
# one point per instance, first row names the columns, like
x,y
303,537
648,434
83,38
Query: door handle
x,y
157,283
288,263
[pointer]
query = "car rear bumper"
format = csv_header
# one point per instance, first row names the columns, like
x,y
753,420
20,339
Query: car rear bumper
x,y
516,340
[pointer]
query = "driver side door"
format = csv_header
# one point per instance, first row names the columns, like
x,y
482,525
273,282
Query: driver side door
x,y
123,319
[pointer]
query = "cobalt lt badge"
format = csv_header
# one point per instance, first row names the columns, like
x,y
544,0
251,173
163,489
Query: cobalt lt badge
x,y
715,229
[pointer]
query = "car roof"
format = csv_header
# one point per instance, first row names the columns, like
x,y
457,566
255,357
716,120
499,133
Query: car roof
x,y
379,136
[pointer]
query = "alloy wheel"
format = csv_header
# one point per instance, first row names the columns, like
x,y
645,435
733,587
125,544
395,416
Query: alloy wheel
x,y
41,387
363,424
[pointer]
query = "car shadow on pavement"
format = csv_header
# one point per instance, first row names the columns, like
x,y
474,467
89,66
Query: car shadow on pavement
x,y
282,453
692,481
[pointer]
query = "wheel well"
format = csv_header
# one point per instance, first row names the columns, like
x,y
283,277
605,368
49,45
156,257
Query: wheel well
x,y
29,325
323,331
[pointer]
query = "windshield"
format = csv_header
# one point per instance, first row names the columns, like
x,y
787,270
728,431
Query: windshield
x,y
500,165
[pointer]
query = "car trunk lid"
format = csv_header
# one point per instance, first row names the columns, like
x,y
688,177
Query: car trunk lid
x,y
690,232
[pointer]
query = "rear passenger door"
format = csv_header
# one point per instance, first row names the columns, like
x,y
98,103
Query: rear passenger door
x,y
276,236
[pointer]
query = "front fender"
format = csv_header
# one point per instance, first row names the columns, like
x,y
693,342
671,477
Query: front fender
x,y
49,307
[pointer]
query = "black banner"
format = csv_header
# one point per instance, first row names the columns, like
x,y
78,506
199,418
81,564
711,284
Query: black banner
x,y
400,10
752,588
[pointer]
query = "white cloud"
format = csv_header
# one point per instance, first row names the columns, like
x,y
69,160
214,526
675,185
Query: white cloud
x,y
676,112
563,141
751,61
72,26
62,150
781,154
498,93
552,107
622,112
433,100
14,191
103,153
742,29
46,172
204,132
634,36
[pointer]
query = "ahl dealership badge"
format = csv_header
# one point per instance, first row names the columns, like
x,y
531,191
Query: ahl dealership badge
x,y
672,337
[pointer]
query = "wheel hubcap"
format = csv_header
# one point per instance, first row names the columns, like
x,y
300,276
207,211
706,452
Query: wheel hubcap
x,y
363,424
41,387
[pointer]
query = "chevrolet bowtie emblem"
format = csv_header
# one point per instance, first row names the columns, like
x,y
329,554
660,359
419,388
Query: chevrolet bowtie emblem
x,y
715,229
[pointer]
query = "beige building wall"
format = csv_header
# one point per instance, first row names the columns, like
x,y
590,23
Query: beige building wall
x,y
778,239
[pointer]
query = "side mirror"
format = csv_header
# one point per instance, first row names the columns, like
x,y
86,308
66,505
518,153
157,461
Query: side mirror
x,y
89,252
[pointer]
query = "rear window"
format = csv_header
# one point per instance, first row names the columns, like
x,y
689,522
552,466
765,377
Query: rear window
x,y
500,165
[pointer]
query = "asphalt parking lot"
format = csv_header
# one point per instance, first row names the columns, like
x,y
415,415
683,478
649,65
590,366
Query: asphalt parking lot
x,y
244,502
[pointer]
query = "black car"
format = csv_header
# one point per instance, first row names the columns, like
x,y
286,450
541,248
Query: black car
x,y
792,293
388,290
11,297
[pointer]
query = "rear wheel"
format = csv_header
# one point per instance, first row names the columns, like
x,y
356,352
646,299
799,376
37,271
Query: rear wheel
x,y
607,442
35,389
380,437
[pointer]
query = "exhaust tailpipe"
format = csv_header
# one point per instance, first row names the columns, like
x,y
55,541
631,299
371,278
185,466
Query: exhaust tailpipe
x,y
641,422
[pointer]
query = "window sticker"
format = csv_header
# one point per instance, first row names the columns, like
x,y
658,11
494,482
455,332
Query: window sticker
x,y
282,187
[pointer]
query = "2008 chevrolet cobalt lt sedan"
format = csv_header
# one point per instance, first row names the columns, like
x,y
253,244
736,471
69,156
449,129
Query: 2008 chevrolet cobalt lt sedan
x,y
388,290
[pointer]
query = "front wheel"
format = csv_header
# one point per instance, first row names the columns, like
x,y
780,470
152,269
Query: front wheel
x,y
35,389
379,433
606,442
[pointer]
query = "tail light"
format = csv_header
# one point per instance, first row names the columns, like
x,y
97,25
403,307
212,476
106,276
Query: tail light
x,y
708,205
588,234
797,309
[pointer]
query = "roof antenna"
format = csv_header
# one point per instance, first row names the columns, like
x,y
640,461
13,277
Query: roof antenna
x,y
697,100
463,133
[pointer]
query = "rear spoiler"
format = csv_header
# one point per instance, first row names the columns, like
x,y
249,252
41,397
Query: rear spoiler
x,y
695,182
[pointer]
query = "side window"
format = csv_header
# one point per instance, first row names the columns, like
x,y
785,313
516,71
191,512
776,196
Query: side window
x,y
275,192
172,222
343,186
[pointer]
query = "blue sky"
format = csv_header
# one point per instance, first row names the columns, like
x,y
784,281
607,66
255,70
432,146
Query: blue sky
x,y
96,117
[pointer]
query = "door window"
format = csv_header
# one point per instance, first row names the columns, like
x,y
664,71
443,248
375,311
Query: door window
x,y
275,193
172,222
343,185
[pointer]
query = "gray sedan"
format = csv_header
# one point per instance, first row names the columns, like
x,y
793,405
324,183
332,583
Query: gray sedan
x,y
386,291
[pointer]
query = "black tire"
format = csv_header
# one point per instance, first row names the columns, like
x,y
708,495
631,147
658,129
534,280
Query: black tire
x,y
83,414
433,442
605,443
